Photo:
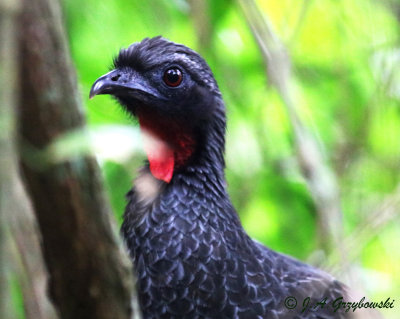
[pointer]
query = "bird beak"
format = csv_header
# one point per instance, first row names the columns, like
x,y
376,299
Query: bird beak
x,y
121,83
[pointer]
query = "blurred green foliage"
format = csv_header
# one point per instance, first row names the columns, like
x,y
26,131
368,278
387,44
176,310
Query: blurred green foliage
x,y
17,299
345,58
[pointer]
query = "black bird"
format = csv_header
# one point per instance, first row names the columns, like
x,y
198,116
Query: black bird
x,y
191,255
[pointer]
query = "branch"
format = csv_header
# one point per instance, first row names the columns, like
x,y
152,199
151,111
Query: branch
x,y
89,272
199,11
21,256
319,177
9,10
25,251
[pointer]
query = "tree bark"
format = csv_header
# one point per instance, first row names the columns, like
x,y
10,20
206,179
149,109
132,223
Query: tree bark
x,y
89,272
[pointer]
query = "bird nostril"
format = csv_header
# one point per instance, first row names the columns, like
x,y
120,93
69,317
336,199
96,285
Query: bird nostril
x,y
115,77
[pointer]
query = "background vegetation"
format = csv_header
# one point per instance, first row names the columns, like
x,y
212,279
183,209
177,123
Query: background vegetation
x,y
346,88
312,90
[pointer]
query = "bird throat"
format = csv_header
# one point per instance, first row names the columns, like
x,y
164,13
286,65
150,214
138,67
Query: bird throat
x,y
168,144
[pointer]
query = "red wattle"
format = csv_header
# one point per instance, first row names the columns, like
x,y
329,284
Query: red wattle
x,y
159,153
167,144
162,161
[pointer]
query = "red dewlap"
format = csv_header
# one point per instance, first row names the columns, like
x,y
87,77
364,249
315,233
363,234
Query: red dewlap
x,y
167,145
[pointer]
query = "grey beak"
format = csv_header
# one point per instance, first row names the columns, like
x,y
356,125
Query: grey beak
x,y
107,84
119,82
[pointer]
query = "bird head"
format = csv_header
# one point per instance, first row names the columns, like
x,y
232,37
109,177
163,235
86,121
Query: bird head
x,y
172,92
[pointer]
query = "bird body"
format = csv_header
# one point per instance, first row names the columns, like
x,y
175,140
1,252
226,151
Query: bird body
x,y
194,260
191,255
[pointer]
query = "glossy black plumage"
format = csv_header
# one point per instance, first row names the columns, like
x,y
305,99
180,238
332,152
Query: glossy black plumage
x,y
191,255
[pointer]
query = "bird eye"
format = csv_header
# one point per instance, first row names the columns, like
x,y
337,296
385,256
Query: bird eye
x,y
172,77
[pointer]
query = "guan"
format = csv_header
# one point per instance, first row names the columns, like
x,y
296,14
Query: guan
x,y
191,256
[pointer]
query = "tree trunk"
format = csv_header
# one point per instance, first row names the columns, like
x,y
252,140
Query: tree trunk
x,y
89,272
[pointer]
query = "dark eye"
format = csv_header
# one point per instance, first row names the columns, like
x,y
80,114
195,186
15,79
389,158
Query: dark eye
x,y
172,77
